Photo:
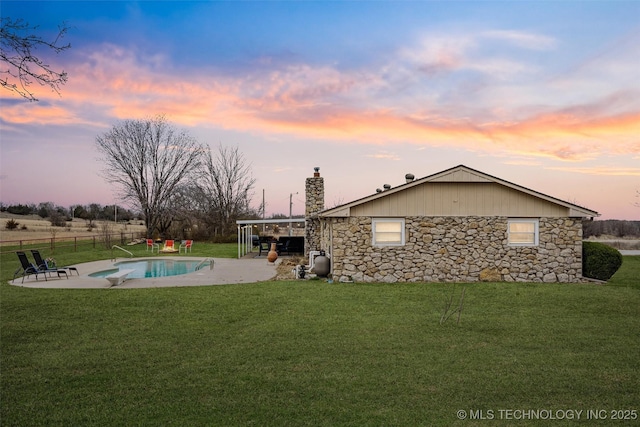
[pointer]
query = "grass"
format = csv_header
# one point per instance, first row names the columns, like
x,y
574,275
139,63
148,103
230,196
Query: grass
x,y
628,274
313,353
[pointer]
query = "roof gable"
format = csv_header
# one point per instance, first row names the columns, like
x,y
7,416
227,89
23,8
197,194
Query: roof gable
x,y
461,175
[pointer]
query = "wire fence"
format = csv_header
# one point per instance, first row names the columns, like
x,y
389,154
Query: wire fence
x,y
74,242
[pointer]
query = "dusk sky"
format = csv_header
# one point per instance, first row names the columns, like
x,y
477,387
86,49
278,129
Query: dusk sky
x,y
544,94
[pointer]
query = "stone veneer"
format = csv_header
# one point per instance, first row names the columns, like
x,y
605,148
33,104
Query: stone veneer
x,y
455,249
314,203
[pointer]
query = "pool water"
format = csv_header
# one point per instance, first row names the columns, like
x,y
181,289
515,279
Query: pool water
x,y
149,268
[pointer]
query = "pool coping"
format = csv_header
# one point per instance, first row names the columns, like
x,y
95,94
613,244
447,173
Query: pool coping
x,y
225,271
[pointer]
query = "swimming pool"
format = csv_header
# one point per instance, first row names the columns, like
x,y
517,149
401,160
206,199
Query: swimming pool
x,y
148,268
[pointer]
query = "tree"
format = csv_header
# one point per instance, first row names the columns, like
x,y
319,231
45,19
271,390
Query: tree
x,y
175,216
57,214
225,189
79,211
148,160
23,67
21,209
44,209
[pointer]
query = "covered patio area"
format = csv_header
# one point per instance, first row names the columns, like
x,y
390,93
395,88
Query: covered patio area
x,y
249,229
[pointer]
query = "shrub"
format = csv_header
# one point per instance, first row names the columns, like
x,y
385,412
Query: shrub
x,y
56,219
600,261
11,224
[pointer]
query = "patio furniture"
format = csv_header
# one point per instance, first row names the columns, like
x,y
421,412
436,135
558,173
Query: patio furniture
x,y
186,245
26,269
43,265
291,245
265,244
151,244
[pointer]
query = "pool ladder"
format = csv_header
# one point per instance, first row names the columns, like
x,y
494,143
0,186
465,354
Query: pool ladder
x,y
113,258
201,264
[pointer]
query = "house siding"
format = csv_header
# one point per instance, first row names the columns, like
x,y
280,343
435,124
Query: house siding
x,y
454,249
459,199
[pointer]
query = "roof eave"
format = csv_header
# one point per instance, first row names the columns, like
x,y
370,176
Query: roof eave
x,y
345,209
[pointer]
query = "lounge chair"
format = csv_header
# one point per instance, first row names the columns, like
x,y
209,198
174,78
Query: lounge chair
x,y
168,247
151,244
186,245
42,264
44,268
26,269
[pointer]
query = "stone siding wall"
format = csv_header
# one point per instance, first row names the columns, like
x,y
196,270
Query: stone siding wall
x,y
314,203
450,249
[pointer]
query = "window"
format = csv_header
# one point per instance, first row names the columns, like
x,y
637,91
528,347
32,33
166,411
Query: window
x,y
388,231
522,232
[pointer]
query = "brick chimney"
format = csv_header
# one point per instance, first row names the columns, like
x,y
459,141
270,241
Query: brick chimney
x,y
314,203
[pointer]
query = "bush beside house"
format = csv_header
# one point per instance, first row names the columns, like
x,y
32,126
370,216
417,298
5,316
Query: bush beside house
x,y
600,261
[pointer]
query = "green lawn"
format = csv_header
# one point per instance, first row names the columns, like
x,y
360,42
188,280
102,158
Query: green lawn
x,y
313,353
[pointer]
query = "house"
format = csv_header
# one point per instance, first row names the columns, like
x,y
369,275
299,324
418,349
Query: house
x,y
456,225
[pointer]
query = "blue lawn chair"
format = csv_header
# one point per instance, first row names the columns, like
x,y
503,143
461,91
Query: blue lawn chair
x,y
42,264
26,269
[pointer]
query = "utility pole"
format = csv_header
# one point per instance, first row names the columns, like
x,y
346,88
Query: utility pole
x,y
263,214
291,214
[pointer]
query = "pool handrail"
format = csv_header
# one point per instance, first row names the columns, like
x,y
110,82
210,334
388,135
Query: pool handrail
x,y
201,264
122,249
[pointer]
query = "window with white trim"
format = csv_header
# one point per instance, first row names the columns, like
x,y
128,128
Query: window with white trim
x,y
522,232
388,231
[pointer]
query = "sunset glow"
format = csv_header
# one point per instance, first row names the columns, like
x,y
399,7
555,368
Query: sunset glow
x,y
368,91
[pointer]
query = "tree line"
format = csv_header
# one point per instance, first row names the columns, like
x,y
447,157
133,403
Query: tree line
x,y
58,215
611,227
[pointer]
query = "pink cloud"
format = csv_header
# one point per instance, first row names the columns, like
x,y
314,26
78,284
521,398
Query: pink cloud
x,y
32,113
522,39
356,105
383,155
602,170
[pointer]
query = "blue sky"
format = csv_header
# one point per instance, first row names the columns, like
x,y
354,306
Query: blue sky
x,y
544,94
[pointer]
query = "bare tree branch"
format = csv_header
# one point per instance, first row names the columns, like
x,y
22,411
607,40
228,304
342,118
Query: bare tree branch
x,y
22,66
148,161
225,188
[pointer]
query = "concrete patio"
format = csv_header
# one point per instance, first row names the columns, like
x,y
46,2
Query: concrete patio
x,y
225,271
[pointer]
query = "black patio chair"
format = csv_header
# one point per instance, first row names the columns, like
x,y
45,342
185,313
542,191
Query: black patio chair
x,y
27,269
42,264
291,245
265,244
